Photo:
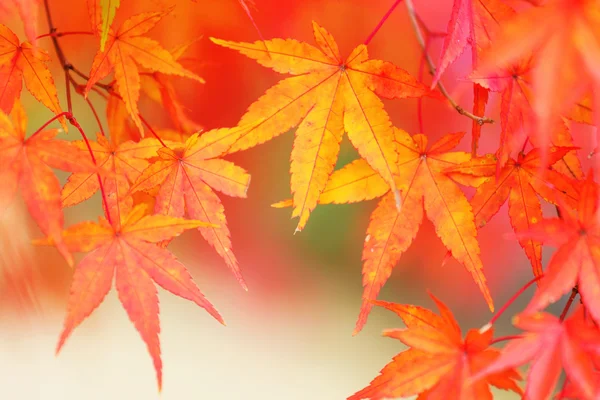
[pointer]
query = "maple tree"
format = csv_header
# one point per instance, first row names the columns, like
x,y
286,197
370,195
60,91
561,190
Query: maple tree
x,y
159,179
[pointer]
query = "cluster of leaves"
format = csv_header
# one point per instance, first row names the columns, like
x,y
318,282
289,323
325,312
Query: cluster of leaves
x,y
153,188
155,184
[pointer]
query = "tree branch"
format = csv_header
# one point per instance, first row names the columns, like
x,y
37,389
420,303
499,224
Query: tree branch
x,y
417,29
67,67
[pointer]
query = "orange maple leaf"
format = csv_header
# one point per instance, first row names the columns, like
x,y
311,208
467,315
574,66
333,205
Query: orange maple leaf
x,y
439,363
160,90
28,13
326,96
187,175
120,124
423,185
125,50
124,163
566,43
551,345
577,260
25,164
129,255
520,182
23,61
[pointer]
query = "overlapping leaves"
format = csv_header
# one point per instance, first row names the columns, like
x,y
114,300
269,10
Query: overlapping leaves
x,y
326,96
424,187
126,48
186,176
439,363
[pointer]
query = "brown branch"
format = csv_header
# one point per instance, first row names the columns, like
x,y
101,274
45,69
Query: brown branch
x,y
565,310
67,67
417,29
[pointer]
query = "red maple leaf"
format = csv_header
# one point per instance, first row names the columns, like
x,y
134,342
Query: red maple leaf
x,y
521,181
577,260
565,41
438,363
550,345
472,23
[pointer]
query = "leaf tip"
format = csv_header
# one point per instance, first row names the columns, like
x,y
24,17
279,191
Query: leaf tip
x,y
282,204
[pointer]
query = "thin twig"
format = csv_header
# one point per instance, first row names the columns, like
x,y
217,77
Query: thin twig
x,y
96,116
415,24
67,67
565,310
87,78
51,120
152,130
382,21
68,85
504,338
61,34
508,303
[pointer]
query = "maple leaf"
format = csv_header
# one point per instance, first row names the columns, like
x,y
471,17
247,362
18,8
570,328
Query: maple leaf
x,y
158,88
423,186
102,13
566,40
520,182
326,96
551,345
129,255
187,175
582,112
124,164
120,124
25,164
108,10
516,116
28,13
22,62
472,23
125,50
577,260
439,362
571,391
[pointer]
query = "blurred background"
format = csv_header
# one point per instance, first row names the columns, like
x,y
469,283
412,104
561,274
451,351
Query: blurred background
x,y
290,335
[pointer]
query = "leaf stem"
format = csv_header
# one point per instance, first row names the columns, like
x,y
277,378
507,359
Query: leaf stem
x,y
68,85
509,302
152,130
57,34
51,120
76,124
565,310
381,22
504,338
67,67
96,116
417,29
256,28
